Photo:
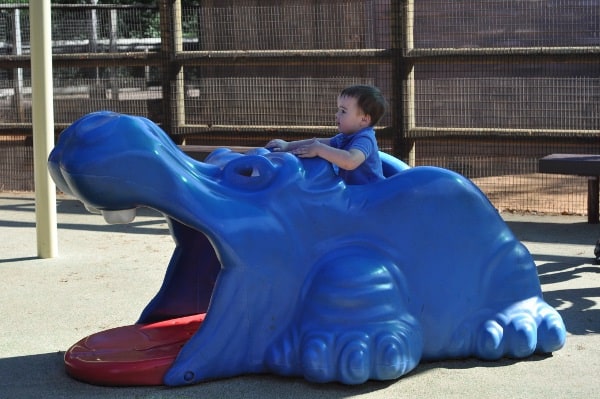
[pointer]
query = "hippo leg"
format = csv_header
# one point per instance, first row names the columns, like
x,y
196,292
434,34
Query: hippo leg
x,y
353,326
519,330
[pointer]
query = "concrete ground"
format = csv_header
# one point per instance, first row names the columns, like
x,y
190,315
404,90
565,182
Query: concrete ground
x,y
105,275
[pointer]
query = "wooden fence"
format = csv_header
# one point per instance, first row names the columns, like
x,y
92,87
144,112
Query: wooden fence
x,y
483,87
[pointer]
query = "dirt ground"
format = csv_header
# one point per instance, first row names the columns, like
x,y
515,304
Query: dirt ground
x,y
16,166
536,193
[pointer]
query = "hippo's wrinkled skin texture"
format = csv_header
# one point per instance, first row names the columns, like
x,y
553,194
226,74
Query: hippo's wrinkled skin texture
x,y
301,275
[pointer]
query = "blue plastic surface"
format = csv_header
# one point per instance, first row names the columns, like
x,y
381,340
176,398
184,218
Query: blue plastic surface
x,y
302,275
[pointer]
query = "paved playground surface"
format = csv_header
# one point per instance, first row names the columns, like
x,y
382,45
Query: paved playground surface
x,y
106,274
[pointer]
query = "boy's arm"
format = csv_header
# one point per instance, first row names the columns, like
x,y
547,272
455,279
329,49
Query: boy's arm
x,y
290,146
347,160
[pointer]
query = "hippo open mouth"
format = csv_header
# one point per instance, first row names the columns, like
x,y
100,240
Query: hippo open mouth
x,y
116,163
280,267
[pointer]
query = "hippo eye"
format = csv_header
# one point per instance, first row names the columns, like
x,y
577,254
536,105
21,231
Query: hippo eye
x,y
252,172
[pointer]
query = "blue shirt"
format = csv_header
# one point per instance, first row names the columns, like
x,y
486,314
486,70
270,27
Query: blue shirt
x,y
364,140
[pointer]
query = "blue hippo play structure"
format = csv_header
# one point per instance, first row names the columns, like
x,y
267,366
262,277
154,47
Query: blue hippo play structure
x,y
279,267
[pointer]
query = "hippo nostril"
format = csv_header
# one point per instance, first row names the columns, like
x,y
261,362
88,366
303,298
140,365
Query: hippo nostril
x,y
188,376
248,172
252,172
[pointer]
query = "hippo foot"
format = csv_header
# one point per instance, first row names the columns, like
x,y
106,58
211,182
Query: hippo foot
x,y
524,328
350,357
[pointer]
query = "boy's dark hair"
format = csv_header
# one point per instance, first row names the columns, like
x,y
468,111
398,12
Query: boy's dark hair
x,y
369,99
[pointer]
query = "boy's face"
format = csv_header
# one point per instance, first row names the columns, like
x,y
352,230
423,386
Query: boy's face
x,y
349,117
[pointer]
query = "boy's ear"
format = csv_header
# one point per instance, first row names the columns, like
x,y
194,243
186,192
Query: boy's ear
x,y
366,119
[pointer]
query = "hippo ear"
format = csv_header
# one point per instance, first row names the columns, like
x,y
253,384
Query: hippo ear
x,y
251,172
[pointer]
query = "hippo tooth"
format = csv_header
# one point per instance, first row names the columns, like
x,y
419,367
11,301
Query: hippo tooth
x,y
119,217
91,209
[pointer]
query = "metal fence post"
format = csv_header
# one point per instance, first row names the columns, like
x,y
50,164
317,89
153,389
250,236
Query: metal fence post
x,y
401,77
172,71
18,81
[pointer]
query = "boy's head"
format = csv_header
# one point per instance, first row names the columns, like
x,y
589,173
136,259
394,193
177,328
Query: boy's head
x,y
369,99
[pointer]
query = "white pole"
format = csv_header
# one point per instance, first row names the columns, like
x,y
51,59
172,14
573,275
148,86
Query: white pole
x,y
43,126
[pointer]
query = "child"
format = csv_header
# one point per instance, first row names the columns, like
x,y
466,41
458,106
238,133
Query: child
x,y
354,149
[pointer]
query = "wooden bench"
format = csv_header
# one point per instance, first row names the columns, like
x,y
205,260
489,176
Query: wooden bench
x,y
580,165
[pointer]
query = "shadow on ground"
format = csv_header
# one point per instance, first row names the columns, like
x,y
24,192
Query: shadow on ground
x,y
43,375
148,221
578,233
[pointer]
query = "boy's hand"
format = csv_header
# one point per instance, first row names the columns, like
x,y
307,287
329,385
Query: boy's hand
x,y
277,145
309,150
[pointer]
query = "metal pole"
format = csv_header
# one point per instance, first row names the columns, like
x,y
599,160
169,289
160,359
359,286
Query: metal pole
x,y
43,127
